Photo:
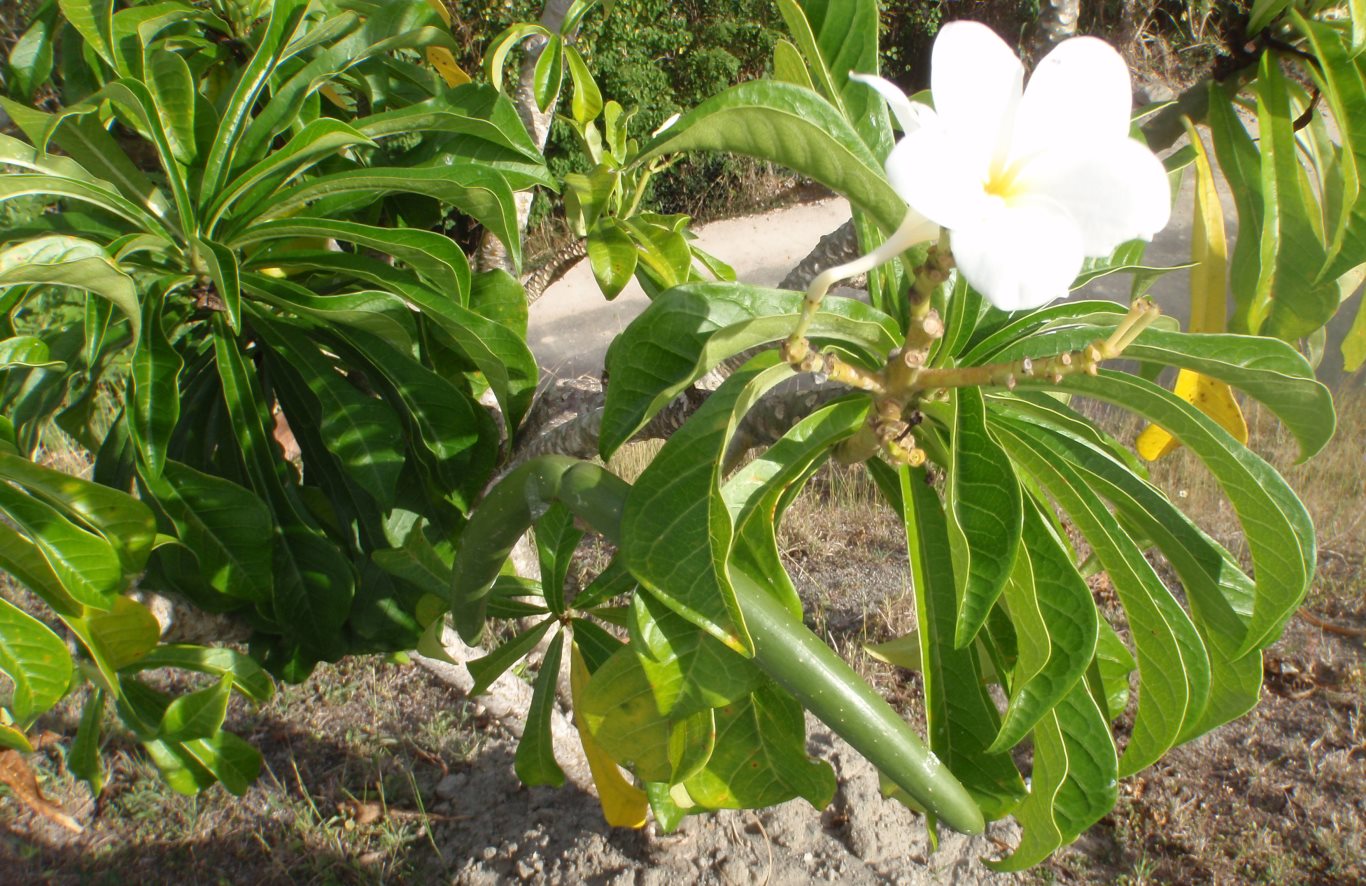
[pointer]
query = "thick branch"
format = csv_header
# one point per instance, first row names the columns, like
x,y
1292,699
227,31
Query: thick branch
x,y
836,248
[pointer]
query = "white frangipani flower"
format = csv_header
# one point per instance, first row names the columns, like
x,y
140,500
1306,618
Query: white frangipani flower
x,y
1028,181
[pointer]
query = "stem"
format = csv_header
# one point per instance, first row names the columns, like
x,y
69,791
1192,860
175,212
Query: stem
x,y
907,235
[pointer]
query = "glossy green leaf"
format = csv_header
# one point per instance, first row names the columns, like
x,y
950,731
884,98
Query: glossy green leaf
x,y
688,330
961,718
94,20
178,767
1074,782
283,18
228,528
688,669
30,57
1288,304
23,266
234,762
219,661
35,660
312,144
1174,670
548,73
1278,530
154,408
126,523
677,529
196,714
480,193
612,256
535,759
492,666
86,564
84,758
846,35
378,313
360,430
760,757
792,127
25,563
172,86
121,636
27,352
618,707
556,540
1056,623
984,513
432,256
587,101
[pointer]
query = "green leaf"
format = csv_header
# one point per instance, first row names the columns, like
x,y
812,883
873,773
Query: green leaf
x,y
789,67
1278,530
173,90
154,408
126,523
85,563
196,714
482,194
119,637
231,760
846,34
379,313
548,74
94,19
35,659
556,540
792,127
960,716
688,330
360,430
476,111
434,257
1055,621
688,669
676,528
30,264
1288,305
25,563
535,760
492,666
1174,671
315,142
221,263
612,256
219,661
618,707
1074,782
587,100
84,758
284,17
760,757
228,528
27,352
984,513
30,58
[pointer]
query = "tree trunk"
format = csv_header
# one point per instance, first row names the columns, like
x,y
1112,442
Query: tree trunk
x,y
1057,22
492,253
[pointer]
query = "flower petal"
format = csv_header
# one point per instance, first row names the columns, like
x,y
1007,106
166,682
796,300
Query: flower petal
x,y
1023,256
1080,90
976,81
908,114
1115,190
926,169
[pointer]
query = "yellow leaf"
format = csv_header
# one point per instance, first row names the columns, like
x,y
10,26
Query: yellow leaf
x,y
441,10
1209,311
1210,396
441,58
623,804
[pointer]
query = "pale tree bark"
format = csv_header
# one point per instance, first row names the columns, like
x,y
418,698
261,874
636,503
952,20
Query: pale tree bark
x,y
492,253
